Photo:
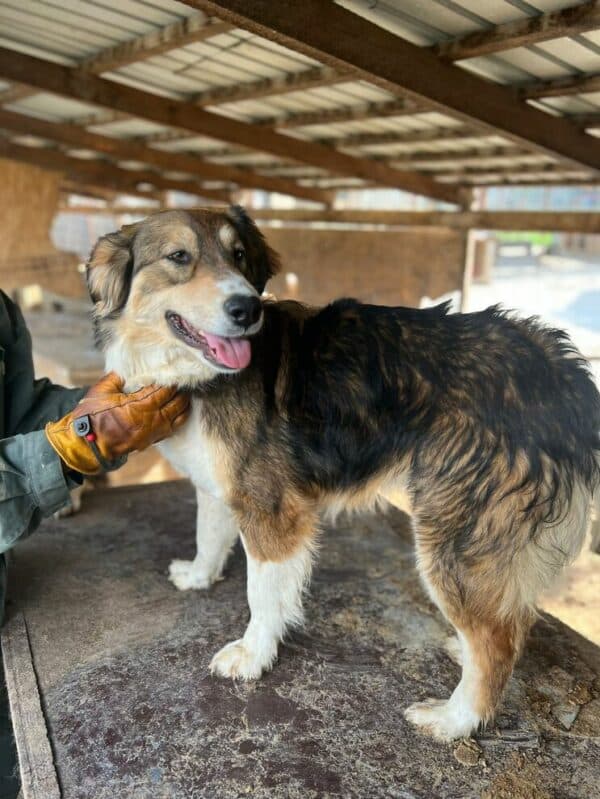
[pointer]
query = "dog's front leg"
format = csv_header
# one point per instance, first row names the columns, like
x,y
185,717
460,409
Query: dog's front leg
x,y
275,599
216,532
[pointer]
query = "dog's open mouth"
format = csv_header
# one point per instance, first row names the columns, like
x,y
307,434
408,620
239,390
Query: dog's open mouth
x,y
232,353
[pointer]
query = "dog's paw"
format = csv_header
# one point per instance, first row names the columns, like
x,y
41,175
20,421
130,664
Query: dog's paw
x,y
444,720
65,512
73,507
238,662
186,575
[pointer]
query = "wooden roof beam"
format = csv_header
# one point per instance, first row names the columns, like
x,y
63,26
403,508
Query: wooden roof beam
x,y
390,108
549,180
312,78
403,137
133,151
573,221
587,120
561,87
104,116
188,30
522,32
102,172
14,93
70,82
419,159
96,192
459,170
472,155
111,209
394,64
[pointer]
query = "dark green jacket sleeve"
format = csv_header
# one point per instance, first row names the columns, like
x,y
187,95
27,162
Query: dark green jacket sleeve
x,y
32,483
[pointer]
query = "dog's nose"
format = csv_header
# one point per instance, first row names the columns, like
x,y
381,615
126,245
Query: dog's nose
x,y
245,311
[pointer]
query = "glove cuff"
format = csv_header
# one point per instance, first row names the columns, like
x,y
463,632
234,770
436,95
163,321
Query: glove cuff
x,y
76,451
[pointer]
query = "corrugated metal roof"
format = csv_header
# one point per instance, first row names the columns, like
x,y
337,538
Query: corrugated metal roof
x,y
72,32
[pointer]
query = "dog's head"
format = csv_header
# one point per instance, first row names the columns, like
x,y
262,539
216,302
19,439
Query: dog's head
x,y
183,286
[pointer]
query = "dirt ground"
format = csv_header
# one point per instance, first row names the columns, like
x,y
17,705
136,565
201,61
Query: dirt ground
x,y
121,659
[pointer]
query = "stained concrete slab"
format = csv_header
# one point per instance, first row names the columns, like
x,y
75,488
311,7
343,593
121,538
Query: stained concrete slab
x,y
122,659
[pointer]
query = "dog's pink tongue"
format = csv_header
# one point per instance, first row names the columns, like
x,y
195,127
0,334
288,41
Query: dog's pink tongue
x,y
232,352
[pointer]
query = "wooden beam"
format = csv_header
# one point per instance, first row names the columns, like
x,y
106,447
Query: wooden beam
x,y
129,150
343,40
576,222
506,168
111,209
328,116
419,160
14,93
178,34
589,120
549,180
103,173
404,137
522,32
574,84
439,136
312,78
573,222
88,189
474,155
103,116
69,82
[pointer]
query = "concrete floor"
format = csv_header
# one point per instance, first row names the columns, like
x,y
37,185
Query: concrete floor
x,y
121,662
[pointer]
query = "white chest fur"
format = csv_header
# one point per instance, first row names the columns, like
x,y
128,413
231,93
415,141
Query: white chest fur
x,y
189,451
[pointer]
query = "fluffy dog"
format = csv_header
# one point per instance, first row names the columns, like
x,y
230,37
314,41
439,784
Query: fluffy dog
x,y
490,425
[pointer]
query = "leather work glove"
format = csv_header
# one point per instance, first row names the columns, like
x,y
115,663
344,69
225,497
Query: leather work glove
x,y
107,424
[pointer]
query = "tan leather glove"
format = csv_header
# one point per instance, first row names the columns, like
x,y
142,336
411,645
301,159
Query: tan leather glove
x,y
107,424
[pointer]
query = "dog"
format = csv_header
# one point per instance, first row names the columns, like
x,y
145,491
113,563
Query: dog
x,y
489,424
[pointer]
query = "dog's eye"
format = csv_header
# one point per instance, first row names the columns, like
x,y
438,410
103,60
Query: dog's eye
x,y
238,254
180,257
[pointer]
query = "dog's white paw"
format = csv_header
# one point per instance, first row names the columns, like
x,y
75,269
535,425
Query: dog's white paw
x,y
445,720
64,513
186,575
73,507
237,661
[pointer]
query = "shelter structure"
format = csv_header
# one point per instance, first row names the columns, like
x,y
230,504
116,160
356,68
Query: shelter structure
x,y
298,108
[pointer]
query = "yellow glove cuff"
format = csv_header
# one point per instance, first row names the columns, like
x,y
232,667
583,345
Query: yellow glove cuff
x,y
73,450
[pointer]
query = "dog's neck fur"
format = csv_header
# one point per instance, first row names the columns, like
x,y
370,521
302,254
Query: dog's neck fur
x,y
140,360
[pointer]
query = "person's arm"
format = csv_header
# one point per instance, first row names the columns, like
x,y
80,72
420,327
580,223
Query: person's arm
x,y
45,452
33,484
49,401
29,404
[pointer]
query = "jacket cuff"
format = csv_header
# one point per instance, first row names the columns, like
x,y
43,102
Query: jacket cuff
x,y
47,479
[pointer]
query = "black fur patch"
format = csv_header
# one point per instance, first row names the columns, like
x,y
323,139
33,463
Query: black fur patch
x,y
351,390
261,261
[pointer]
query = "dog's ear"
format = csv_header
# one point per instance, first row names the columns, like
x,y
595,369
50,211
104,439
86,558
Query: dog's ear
x,y
261,261
109,270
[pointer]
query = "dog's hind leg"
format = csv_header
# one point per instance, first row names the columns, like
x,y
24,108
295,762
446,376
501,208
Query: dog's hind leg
x,y
490,643
216,532
489,651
